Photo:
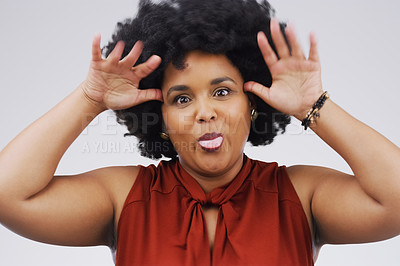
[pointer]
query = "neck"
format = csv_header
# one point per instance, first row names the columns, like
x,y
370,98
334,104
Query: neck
x,y
208,182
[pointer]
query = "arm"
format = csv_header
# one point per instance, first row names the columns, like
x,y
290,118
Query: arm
x,y
372,194
74,210
27,166
355,208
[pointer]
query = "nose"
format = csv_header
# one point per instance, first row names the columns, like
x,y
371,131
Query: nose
x,y
205,112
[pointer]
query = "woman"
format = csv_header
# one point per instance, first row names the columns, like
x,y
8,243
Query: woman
x,y
213,160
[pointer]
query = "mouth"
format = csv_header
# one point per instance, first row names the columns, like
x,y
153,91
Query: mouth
x,y
211,141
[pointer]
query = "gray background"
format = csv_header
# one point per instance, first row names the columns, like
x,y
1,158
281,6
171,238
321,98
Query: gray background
x,y
45,53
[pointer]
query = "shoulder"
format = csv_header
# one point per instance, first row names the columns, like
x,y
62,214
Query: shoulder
x,y
312,184
306,179
120,180
115,178
117,181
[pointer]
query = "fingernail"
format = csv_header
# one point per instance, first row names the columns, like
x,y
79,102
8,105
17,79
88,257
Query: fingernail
x,y
139,44
247,85
154,59
291,27
313,38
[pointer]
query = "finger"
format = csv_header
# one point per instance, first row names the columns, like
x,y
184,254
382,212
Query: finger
x,y
279,40
96,50
144,69
296,49
133,56
258,89
116,53
313,55
268,54
149,95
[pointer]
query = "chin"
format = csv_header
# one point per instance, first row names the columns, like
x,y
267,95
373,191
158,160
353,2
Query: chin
x,y
216,161
211,162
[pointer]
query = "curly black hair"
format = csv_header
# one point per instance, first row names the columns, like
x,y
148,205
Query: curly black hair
x,y
172,28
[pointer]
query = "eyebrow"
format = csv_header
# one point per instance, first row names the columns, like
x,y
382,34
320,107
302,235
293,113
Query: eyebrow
x,y
212,82
220,80
177,88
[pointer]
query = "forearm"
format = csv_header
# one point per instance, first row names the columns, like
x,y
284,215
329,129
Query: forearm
x,y
29,161
373,158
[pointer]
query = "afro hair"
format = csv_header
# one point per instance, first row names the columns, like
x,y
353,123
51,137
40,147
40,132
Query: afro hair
x,y
172,28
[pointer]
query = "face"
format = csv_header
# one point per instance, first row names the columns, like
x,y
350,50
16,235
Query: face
x,y
206,113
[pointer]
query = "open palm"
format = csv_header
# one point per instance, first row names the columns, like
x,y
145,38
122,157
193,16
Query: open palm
x,y
296,81
113,83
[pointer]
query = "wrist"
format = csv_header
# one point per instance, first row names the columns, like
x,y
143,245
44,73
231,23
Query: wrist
x,y
308,101
313,113
93,105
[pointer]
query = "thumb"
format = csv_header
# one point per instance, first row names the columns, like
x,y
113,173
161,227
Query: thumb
x,y
258,89
149,95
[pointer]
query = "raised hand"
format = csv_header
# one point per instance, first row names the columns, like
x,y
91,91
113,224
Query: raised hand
x,y
113,83
296,80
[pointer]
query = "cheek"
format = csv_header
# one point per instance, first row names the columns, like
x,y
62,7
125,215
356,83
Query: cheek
x,y
178,122
179,125
239,119
239,127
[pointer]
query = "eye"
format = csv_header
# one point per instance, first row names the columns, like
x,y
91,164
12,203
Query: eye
x,y
181,99
222,92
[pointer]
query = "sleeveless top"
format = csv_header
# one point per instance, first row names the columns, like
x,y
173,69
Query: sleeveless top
x,y
260,219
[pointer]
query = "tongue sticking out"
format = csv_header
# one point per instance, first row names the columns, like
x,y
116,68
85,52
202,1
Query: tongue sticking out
x,y
212,143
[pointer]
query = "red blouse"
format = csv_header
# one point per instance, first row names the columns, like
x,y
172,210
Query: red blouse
x,y
260,220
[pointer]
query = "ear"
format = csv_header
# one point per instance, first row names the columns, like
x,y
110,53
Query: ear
x,y
252,100
163,127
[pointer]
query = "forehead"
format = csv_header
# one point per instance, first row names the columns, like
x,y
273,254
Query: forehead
x,y
201,66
